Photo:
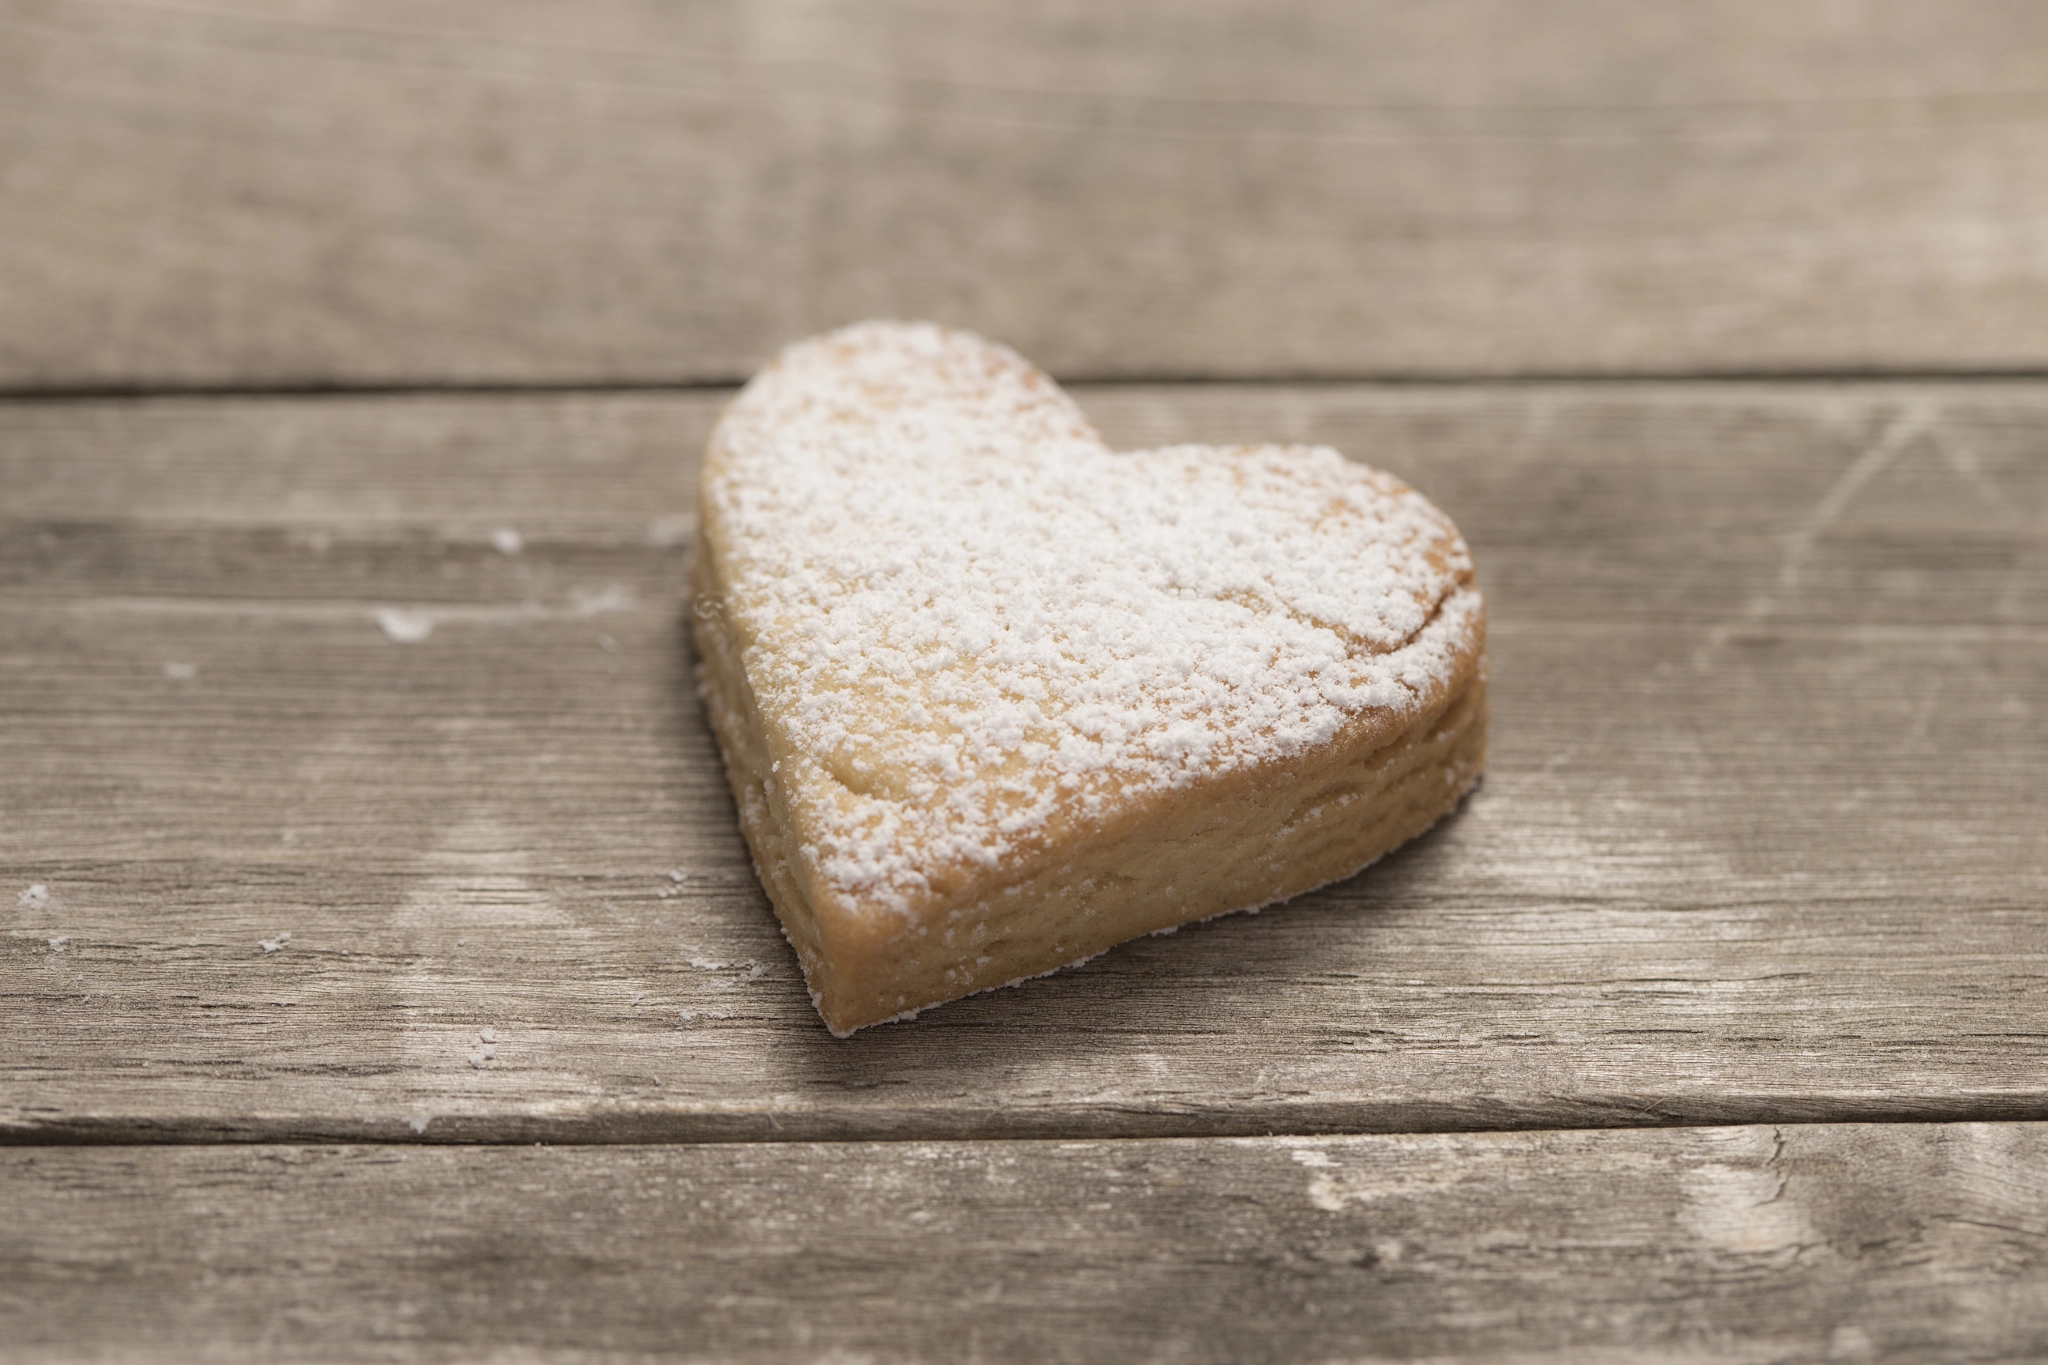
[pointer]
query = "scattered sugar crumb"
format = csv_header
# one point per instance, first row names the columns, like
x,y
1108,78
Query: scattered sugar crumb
x,y
478,1059
676,874
489,1035
419,1125
181,672
706,964
272,945
35,898
610,598
689,1016
507,541
57,943
404,627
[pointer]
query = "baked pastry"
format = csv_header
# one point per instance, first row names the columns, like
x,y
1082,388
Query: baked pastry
x,y
993,697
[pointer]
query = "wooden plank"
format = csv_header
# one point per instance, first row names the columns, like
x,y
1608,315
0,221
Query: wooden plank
x,y
1681,502
1724,1244
1760,838
382,193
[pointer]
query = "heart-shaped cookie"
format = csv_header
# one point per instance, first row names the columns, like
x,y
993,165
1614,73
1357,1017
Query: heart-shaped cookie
x,y
994,697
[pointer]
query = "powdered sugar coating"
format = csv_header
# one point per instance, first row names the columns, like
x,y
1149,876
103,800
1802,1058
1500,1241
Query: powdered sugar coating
x,y
970,627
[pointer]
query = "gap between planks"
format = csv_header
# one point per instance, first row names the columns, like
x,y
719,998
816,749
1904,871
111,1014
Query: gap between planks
x,y
579,1136
645,1129
1708,378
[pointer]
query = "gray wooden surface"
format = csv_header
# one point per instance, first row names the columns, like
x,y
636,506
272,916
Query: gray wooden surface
x,y
616,190
1761,836
1753,1244
353,789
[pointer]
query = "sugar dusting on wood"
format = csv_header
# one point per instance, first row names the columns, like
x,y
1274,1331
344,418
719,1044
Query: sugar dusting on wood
x,y
404,627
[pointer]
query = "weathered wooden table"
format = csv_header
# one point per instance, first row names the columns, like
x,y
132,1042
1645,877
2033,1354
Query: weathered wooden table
x,y
386,978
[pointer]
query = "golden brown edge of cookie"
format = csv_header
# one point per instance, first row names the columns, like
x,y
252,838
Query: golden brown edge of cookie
x,y
736,723
1160,862
1311,841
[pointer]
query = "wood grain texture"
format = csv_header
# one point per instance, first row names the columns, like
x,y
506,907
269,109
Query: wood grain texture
x,y
1857,1243
1760,838
382,193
